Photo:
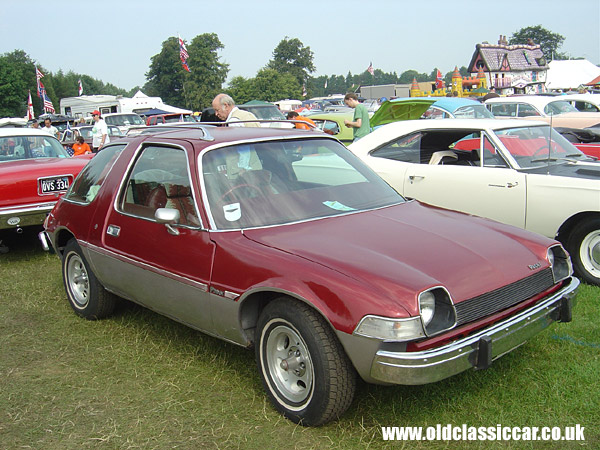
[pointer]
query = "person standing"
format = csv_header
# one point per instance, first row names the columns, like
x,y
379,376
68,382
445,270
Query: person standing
x,y
50,129
99,132
360,122
226,110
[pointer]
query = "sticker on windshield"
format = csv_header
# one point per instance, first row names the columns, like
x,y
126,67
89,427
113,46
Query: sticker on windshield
x,y
338,206
232,212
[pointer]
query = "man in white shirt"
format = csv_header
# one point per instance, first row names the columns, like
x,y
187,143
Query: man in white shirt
x,y
50,129
226,110
99,132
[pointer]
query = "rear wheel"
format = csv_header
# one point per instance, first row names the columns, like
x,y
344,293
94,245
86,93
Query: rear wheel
x,y
87,296
584,246
303,366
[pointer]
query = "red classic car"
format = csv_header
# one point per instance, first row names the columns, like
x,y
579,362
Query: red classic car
x,y
284,241
35,170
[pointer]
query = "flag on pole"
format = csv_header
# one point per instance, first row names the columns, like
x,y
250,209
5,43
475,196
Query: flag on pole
x,y
80,88
304,93
40,86
439,81
183,54
48,106
30,113
370,69
325,82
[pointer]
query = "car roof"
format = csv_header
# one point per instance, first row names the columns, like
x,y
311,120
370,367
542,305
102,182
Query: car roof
x,y
537,100
592,98
9,131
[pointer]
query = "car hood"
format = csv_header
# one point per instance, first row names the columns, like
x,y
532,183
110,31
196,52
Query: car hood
x,y
401,250
586,170
396,110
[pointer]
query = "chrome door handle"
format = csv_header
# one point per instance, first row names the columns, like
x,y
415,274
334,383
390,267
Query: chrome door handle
x,y
415,177
113,230
511,185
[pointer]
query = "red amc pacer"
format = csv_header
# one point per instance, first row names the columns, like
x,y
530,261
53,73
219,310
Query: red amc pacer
x,y
283,241
34,171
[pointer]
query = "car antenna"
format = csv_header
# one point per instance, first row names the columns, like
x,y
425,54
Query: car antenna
x,y
549,145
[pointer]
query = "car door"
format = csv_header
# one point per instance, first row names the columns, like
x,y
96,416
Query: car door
x,y
165,270
487,188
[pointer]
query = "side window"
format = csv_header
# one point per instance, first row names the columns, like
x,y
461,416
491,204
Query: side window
x,y
586,106
87,184
527,111
405,149
160,179
328,126
491,156
504,109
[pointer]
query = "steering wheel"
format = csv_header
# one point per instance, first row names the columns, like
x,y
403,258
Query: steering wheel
x,y
539,150
240,186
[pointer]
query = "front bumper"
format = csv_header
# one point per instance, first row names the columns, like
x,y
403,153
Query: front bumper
x,y
477,350
25,216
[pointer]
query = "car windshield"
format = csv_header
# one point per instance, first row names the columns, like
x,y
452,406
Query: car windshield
x,y
179,118
278,182
559,107
265,112
15,148
124,120
473,112
538,146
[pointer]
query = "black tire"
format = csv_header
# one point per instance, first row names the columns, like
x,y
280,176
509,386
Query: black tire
x,y
87,296
583,245
302,364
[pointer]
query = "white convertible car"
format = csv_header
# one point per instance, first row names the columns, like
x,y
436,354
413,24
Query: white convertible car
x,y
518,172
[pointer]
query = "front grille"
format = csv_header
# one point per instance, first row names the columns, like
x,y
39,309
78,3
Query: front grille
x,y
504,297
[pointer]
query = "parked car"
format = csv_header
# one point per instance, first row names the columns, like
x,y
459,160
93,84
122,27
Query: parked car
x,y
35,170
169,118
68,139
550,109
429,108
583,102
123,120
282,240
333,123
518,172
266,111
587,139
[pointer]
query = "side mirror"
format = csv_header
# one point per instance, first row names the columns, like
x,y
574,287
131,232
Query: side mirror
x,y
169,217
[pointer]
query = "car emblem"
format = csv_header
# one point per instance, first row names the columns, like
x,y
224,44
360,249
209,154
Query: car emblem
x,y
537,265
13,221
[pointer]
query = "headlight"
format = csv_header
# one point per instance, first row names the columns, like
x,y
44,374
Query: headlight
x,y
560,263
427,306
389,329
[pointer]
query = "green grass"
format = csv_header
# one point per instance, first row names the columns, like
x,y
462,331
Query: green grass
x,y
139,380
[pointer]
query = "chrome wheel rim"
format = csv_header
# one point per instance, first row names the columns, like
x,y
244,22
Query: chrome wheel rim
x,y
289,364
589,253
78,281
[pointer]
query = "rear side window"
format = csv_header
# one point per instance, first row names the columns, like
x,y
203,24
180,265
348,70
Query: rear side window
x,y
87,184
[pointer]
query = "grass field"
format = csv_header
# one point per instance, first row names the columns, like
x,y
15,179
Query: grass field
x,y
139,380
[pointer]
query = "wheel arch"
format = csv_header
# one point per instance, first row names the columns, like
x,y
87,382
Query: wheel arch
x,y
61,238
253,304
567,227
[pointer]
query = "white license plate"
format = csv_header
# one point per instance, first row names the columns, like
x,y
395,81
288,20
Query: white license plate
x,y
54,184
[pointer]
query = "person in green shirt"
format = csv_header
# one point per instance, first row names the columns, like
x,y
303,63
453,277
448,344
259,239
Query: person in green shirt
x,y
360,122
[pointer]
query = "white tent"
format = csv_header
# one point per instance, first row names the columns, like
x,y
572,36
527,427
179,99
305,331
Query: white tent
x,y
570,74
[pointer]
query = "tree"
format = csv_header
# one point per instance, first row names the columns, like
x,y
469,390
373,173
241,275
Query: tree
x,y
291,56
268,85
194,90
549,42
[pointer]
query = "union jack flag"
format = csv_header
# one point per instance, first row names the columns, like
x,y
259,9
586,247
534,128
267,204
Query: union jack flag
x,y
183,54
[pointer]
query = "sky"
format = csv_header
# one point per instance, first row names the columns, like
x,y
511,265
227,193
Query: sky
x,y
114,41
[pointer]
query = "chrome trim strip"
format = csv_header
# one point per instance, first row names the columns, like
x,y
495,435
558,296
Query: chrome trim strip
x,y
34,207
231,295
427,366
197,284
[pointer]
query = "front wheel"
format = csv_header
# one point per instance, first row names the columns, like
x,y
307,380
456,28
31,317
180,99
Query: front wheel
x,y
303,366
584,246
87,296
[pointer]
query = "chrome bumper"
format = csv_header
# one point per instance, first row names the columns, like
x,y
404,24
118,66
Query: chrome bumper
x,y
25,216
45,240
477,350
